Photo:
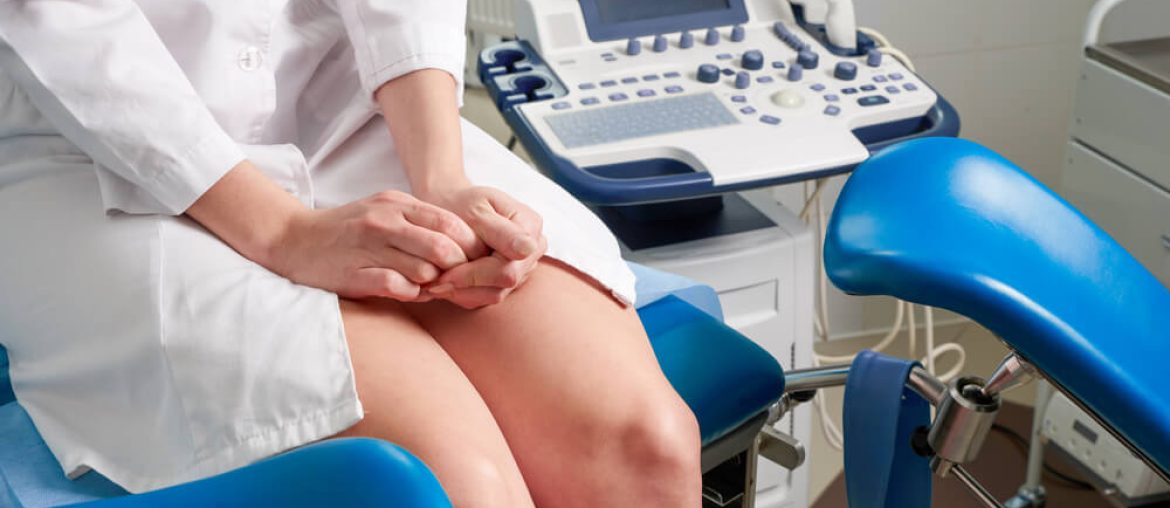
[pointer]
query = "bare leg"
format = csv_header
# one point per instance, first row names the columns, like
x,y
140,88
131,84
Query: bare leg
x,y
414,395
570,377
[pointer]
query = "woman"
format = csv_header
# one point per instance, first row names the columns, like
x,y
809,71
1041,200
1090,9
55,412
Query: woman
x,y
301,239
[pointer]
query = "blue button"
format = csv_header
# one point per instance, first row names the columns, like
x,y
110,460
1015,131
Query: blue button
x,y
707,73
769,119
618,96
849,91
686,40
778,65
817,87
672,74
779,29
765,79
607,55
896,76
586,86
873,58
633,47
650,77
832,110
560,105
737,33
609,82
728,71
872,100
659,43
893,89
646,93
868,88
610,58
910,87
589,101
752,60
724,56
712,37
795,73
743,80
832,98
674,89
845,71
807,59
738,98
629,80
879,78
747,110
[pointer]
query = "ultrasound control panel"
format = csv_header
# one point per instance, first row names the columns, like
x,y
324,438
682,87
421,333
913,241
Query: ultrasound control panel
x,y
732,93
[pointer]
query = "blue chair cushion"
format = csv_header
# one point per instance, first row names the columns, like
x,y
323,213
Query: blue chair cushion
x,y
724,377
948,223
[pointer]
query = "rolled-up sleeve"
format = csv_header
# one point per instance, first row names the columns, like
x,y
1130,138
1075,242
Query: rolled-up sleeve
x,y
395,37
100,74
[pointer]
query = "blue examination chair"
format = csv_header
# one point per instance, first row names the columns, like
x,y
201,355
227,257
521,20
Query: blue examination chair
x,y
939,222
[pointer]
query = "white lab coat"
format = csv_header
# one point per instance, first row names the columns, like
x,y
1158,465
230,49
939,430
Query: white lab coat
x,y
141,345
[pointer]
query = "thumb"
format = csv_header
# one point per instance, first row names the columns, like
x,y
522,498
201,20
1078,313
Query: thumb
x,y
380,282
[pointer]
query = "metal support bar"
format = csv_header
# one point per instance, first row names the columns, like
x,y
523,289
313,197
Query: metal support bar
x,y
975,487
802,380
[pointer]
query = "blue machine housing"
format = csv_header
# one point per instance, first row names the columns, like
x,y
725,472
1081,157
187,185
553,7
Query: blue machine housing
x,y
514,74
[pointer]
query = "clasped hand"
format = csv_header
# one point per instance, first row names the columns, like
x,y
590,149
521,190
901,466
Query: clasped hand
x,y
471,246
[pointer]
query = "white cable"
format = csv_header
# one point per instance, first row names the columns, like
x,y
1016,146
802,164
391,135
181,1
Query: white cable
x,y
824,277
808,200
881,345
901,56
957,368
875,35
1096,18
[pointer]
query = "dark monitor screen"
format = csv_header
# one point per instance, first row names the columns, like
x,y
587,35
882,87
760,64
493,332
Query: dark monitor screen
x,y
618,19
620,11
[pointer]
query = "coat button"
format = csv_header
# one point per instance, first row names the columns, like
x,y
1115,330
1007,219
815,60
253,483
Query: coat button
x,y
250,58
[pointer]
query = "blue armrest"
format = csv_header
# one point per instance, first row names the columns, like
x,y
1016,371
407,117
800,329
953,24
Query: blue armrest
x,y
351,472
948,223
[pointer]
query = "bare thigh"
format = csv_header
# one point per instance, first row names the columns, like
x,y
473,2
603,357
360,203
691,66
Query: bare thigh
x,y
416,396
570,376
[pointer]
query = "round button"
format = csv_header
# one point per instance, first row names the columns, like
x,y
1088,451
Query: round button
x,y
686,40
659,43
633,47
743,80
712,37
807,59
250,58
789,98
795,72
707,73
737,33
845,71
752,60
873,58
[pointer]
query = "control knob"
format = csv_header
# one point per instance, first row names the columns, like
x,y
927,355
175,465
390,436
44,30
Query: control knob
x,y
737,33
712,37
633,47
753,60
845,71
708,73
686,40
659,43
807,59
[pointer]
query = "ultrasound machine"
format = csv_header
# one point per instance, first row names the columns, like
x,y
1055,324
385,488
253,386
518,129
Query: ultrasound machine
x,y
672,119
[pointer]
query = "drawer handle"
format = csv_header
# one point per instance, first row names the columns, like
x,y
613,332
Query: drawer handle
x,y
1166,241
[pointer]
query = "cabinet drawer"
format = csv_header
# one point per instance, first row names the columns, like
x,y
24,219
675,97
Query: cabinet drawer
x,y
1134,211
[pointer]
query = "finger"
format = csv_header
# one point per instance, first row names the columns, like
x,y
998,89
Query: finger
x,y
433,247
515,211
492,271
442,221
474,298
416,269
500,233
380,282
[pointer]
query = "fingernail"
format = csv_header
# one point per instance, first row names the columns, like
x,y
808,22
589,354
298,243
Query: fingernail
x,y
439,289
524,246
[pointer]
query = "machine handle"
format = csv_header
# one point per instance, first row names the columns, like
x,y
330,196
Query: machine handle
x,y
1166,241
1096,18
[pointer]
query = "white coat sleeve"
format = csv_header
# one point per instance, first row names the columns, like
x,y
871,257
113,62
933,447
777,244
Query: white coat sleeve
x,y
395,37
100,74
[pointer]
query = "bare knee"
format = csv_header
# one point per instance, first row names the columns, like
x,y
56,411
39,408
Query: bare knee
x,y
476,481
657,441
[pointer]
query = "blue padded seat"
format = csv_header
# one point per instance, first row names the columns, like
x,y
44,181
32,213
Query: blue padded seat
x,y
723,376
948,223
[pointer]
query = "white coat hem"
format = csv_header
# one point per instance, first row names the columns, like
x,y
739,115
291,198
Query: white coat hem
x,y
292,434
